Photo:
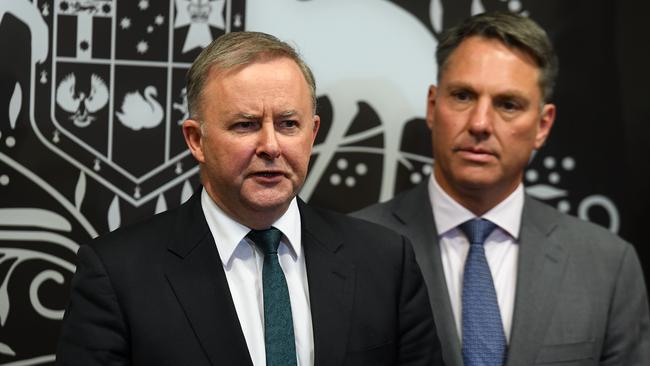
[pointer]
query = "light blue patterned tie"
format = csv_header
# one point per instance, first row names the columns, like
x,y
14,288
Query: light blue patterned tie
x,y
278,324
484,342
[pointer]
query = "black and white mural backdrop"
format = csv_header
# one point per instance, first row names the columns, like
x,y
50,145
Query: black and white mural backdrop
x,y
92,96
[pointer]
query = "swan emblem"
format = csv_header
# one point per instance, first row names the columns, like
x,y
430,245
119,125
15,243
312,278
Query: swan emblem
x,y
140,112
78,103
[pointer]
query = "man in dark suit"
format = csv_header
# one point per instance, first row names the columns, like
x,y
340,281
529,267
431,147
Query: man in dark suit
x,y
245,273
536,286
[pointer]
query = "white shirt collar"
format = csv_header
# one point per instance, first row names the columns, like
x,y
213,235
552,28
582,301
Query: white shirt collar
x,y
229,234
449,214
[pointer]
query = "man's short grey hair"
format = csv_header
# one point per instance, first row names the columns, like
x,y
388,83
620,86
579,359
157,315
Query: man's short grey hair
x,y
236,49
513,30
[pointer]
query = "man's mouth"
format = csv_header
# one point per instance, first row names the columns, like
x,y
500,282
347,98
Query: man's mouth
x,y
269,176
476,154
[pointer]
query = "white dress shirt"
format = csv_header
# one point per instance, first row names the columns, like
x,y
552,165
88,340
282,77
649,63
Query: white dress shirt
x,y
501,248
242,262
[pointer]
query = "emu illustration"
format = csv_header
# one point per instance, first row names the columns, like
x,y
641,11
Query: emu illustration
x,y
351,47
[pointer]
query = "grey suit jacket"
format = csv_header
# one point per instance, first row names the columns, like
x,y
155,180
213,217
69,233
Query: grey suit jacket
x,y
580,297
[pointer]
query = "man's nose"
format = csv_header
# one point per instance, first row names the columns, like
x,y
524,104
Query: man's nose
x,y
481,119
268,146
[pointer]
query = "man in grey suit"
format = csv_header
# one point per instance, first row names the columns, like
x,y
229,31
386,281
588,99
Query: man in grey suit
x,y
550,289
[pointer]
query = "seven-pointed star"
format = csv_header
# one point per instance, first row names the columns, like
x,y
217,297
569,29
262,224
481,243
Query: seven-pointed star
x,y
143,4
159,19
142,47
125,23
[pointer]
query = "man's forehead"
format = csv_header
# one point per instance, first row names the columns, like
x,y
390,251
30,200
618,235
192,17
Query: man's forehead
x,y
481,60
221,69
474,46
228,80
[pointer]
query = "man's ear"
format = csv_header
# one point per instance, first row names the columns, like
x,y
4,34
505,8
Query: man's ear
x,y
546,120
431,103
315,129
193,138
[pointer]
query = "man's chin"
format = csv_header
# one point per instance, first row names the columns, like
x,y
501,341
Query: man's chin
x,y
263,203
477,182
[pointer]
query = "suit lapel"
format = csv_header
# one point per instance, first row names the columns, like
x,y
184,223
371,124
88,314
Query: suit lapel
x,y
415,212
541,266
194,271
331,287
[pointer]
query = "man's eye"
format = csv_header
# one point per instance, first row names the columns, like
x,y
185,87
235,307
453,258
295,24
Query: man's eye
x,y
461,96
509,106
245,125
289,124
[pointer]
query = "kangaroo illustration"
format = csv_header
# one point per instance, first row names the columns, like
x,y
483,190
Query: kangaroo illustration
x,y
28,13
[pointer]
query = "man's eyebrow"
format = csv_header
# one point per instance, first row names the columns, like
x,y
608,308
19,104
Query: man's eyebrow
x,y
507,93
458,85
288,113
246,116
513,94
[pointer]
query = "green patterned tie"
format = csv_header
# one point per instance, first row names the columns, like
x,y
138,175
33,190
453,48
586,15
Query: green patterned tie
x,y
278,324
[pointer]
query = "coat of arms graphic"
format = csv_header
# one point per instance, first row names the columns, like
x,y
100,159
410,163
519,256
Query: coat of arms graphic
x,y
114,85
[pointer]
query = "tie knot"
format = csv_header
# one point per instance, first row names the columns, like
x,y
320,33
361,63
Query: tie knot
x,y
477,230
267,240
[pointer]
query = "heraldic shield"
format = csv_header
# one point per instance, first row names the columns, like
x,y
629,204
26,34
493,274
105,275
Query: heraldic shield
x,y
110,98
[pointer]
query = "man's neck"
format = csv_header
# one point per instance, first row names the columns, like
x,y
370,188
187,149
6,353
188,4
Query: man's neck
x,y
249,216
477,200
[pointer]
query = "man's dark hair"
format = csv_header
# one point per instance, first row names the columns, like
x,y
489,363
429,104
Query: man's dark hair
x,y
513,30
